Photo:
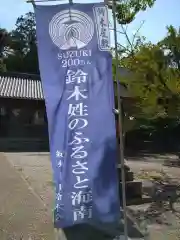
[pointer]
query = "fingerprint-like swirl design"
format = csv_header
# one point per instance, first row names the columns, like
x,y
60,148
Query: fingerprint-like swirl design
x,y
71,28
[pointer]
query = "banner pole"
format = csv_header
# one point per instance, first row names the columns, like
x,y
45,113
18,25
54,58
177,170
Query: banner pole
x,y
42,1
121,147
33,2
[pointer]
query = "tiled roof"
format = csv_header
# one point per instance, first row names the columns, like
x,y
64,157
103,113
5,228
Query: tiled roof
x,y
26,86
20,86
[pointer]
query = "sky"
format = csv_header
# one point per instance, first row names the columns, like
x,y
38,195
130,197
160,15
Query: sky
x,y
163,13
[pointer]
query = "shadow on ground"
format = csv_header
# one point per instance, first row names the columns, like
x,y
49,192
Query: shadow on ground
x,y
165,206
154,214
83,231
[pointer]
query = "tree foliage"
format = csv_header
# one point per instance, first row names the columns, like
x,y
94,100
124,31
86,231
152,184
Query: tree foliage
x,y
126,10
171,45
3,43
22,43
155,78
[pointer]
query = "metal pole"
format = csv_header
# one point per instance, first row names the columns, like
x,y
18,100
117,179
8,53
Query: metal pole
x,y
41,1
32,2
121,147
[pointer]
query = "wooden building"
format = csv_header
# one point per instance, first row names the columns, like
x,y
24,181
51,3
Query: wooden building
x,y
22,111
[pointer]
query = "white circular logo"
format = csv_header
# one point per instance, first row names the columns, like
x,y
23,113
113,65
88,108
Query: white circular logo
x,y
71,29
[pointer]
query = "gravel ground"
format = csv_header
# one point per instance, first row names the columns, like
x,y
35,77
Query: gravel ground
x,y
161,223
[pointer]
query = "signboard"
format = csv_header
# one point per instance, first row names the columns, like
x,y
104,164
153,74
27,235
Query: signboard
x,y
75,65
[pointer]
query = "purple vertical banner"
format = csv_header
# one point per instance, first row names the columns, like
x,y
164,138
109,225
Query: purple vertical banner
x,y
75,65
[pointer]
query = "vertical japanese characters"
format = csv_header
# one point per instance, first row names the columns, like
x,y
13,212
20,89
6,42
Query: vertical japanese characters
x,y
59,191
102,28
76,82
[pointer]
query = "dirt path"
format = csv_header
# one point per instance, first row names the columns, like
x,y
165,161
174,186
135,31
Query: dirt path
x,y
36,170
21,213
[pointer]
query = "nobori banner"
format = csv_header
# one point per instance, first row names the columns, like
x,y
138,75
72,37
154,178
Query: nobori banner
x,y
75,65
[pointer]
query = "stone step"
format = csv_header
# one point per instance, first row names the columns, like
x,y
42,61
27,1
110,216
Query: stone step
x,y
139,201
129,176
133,190
23,144
126,167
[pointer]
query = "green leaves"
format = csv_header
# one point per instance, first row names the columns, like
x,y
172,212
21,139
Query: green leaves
x,y
171,45
128,9
155,79
23,45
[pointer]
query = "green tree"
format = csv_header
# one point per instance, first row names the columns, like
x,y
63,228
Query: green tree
x,y
171,45
3,44
25,32
154,80
23,45
128,9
